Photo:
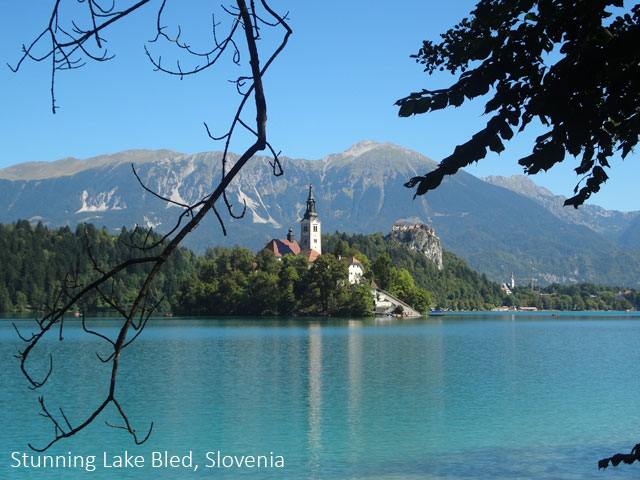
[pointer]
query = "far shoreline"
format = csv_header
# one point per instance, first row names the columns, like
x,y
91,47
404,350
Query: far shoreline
x,y
32,316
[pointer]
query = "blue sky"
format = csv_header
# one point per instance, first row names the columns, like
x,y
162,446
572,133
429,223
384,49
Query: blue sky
x,y
335,84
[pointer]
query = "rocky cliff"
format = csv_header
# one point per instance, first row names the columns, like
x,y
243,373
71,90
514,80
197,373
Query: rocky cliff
x,y
421,239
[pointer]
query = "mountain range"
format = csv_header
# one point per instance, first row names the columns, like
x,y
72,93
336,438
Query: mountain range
x,y
499,225
613,224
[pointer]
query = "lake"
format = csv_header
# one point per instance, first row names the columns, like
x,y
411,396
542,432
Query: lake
x,y
459,396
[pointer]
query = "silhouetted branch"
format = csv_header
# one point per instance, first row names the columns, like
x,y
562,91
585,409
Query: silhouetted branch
x,y
275,165
224,230
67,50
97,334
211,56
23,338
61,52
128,425
59,432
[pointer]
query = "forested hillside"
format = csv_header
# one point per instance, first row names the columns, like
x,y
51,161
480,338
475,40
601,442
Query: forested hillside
x,y
458,287
36,261
584,296
455,287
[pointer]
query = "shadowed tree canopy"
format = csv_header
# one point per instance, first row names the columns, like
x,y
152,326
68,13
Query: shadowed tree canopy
x,y
572,65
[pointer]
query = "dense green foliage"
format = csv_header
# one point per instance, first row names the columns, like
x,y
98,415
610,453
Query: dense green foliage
x,y
569,64
36,263
458,287
397,281
455,287
585,296
237,282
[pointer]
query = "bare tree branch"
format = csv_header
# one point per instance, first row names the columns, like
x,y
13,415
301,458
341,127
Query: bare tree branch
x,y
68,49
62,52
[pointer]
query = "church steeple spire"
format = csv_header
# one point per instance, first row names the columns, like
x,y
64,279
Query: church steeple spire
x,y
311,205
310,228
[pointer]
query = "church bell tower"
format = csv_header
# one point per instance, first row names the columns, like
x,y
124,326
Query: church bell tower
x,y
310,226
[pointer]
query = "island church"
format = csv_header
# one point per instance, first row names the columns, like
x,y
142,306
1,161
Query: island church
x,y
310,245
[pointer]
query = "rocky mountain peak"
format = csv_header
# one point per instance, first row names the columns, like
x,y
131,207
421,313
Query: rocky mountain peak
x,y
520,184
361,147
71,166
610,223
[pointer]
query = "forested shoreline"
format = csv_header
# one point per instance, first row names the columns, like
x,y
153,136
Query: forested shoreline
x,y
37,261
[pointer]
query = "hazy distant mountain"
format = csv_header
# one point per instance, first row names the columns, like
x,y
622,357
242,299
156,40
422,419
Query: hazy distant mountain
x,y
610,223
71,166
498,231
630,237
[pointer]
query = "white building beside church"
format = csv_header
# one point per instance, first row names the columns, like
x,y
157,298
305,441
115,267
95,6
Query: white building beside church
x,y
356,272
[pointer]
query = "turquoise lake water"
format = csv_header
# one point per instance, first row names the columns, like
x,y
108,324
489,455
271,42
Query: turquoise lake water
x,y
460,396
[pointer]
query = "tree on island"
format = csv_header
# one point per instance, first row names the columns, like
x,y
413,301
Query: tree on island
x,y
571,65
264,285
67,43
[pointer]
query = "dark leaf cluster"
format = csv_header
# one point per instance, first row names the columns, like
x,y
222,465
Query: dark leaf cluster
x,y
568,64
619,458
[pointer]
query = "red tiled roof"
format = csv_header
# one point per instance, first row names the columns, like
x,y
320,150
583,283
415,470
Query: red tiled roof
x,y
281,247
310,254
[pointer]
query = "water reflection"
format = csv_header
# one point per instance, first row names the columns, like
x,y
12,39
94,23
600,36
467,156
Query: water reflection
x,y
355,385
454,397
314,437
